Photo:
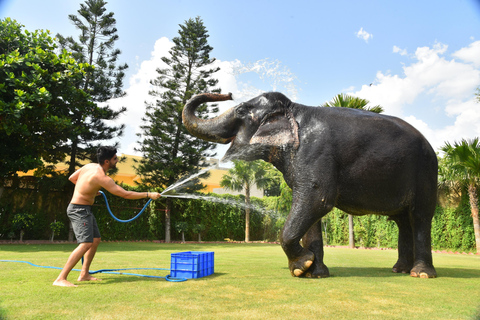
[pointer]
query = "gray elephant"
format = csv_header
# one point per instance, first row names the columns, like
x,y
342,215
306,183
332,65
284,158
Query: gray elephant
x,y
358,161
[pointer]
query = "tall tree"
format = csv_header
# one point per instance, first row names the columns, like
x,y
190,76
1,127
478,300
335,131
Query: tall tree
x,y
95,46
463,160
347,101
243,176
169,151
38,91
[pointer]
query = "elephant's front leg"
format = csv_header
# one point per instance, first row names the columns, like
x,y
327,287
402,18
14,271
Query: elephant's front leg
x,y
313,240
303,215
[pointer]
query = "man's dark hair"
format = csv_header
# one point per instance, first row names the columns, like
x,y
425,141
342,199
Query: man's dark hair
x,y
105,153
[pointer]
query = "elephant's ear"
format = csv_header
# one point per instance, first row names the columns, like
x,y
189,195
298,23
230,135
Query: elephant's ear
x,y
278,129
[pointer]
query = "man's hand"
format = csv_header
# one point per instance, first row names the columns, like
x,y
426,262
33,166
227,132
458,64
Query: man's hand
x,y
154,195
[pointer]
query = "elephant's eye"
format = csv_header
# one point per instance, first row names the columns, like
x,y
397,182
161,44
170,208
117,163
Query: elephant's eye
x,y
243,109
273,117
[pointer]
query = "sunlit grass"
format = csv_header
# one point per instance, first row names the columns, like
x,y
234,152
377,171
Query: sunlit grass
x,y
251,281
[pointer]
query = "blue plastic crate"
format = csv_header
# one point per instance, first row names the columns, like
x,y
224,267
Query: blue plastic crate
x,y
191,264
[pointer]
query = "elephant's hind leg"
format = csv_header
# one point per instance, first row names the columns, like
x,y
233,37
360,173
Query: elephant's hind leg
x,y
421,219
423,264
405,243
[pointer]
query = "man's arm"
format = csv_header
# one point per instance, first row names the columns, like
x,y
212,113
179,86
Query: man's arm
x,y
115,189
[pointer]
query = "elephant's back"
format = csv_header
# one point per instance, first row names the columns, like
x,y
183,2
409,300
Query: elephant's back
x,y
360,127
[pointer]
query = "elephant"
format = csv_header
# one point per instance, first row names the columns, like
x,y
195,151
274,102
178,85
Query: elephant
x,y
358,161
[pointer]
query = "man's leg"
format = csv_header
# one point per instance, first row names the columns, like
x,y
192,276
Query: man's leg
x,y
87,261
75,256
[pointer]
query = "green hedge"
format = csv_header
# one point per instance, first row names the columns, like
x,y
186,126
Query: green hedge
x,y
452,228
44,207
221,216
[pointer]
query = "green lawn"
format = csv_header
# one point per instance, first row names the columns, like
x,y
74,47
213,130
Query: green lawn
x,y
251,281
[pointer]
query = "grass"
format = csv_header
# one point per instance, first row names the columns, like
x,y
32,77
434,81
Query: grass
x,y
251,281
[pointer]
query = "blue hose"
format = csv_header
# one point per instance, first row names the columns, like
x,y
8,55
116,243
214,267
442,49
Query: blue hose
x,y
114,271
119,220
111,271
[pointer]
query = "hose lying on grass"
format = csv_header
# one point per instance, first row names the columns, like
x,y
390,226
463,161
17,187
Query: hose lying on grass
x,y
111,271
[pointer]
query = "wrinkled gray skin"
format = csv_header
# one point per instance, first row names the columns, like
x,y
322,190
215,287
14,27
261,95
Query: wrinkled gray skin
x,y
358,161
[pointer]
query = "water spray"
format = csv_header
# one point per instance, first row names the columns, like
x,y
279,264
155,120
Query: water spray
x,y
163,194
182,182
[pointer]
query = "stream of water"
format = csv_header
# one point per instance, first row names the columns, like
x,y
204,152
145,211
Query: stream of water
x,y
173,192
176,185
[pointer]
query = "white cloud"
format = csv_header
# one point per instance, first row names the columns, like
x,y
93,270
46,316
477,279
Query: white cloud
x,y
137,94
466,124
362,34
434,86
272,75
470,53
402,52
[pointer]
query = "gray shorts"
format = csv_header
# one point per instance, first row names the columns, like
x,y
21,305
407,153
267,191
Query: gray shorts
x,y
84,223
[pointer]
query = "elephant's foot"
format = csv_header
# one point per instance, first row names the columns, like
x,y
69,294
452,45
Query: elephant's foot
x,y
317,270
402,267
422,270
300,265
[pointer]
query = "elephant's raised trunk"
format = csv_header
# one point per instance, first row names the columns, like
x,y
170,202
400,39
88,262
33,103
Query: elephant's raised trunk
x,y
219,129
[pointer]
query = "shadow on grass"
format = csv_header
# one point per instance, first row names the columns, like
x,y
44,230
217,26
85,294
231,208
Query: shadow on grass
x,y
459,273
476,316
344,272
119,278
3,314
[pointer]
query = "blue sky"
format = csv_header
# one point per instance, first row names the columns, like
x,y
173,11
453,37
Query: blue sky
x,y
420,60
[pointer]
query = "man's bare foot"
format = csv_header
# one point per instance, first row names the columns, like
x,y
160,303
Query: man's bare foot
x,y
88,278
63,283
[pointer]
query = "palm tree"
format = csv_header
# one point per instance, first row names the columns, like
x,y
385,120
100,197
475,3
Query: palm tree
x,y
463,160
347,101
242,177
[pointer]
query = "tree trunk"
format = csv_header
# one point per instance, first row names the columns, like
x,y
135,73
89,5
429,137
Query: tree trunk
x,y
167,222
73,157
472,194
21,235
247,214
325,238
351,238
68,193
167,226
183,237
199,237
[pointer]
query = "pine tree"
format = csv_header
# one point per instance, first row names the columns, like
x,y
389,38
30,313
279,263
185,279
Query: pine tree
x,y
105,81
169,151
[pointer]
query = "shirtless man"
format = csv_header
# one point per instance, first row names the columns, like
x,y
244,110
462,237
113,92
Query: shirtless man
x,y
88,180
